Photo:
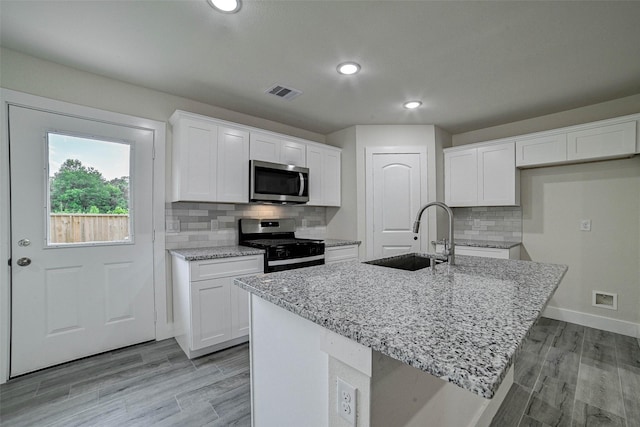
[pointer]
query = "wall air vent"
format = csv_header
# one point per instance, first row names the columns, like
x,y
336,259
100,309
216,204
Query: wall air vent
x,y
283,92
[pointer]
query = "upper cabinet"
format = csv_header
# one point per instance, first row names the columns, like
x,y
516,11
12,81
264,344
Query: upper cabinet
x,y
607,139
271,148
482,175
324,175
210,162
602,142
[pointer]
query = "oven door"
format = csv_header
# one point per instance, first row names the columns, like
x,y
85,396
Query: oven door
x,y
276,183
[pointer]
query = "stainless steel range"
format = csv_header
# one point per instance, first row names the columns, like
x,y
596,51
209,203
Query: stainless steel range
x,y
277,237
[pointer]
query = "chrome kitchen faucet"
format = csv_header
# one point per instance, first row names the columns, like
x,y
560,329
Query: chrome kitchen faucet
x,y
449,251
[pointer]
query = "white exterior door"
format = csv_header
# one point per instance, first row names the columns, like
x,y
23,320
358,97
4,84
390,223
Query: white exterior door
x,y
71,300
395,196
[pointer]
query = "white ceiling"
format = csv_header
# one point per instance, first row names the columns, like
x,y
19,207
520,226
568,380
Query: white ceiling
x,y
473,64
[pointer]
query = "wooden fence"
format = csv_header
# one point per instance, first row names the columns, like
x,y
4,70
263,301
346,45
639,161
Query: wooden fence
x,y
79,228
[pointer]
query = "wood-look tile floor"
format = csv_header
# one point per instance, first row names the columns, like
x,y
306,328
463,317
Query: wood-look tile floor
x,y
565,375
150,384
571,375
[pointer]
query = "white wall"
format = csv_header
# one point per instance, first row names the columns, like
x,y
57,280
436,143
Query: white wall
x,y
35,76
354,141
553,201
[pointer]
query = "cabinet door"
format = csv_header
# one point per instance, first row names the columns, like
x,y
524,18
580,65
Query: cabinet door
x,y
264,147
210,312
195,149
239,312
324,176
332,178
461,178
602,142
497,175
233,166
540,151
293,153
316,176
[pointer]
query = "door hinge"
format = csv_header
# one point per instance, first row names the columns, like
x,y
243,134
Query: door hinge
x,y
153,236
153,152
9,262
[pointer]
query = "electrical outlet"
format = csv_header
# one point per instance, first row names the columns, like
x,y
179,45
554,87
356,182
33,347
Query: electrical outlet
x,y
214,224
585,225
346,401
304,222
172,226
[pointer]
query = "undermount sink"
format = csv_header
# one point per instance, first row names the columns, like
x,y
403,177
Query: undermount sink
x,y
409,262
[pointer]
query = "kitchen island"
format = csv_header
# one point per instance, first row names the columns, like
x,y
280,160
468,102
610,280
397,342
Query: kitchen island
x,y
419,346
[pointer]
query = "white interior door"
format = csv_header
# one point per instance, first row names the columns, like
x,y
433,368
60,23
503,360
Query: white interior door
x,y
395,196
93,291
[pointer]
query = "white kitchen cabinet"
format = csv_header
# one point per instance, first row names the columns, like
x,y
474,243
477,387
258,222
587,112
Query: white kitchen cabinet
x,y
336,254
511,253
324,176
542,150
602,142
210,161
482,175
210,312
275,149
461,180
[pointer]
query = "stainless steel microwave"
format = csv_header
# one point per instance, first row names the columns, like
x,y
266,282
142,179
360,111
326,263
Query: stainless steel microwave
x,y
277,183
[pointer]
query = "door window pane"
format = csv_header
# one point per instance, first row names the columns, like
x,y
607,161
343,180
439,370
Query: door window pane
x,y
89,191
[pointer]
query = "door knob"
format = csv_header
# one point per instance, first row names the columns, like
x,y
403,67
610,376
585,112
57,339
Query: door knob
x,y
24,261
415,237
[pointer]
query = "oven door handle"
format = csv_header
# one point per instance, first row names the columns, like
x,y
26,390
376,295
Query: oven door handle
x,y
292,261
301,184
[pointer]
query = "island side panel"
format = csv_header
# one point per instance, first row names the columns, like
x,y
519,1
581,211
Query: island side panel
x,y
289,370
405,396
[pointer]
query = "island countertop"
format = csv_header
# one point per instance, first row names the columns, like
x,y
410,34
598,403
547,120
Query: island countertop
x,y
462,323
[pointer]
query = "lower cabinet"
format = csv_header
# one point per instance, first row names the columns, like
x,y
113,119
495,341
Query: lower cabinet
x,y
335,254
210,312
512,253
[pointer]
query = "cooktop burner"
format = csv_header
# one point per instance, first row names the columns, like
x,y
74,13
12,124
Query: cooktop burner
x,y
283,250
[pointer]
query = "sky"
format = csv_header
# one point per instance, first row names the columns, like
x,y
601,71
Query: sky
x,y
110,158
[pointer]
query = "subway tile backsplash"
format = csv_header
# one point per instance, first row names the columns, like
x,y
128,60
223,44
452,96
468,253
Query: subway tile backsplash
x,y
495,223
216,224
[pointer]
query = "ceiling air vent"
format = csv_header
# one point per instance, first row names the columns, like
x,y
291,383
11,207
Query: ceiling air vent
x,y
283,92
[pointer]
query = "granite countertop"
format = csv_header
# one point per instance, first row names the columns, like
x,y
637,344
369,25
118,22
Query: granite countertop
x,y
496,244
200,254
330,243
462,323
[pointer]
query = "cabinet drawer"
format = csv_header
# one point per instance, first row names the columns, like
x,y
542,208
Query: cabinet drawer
x,y
341,253
545,150
226,267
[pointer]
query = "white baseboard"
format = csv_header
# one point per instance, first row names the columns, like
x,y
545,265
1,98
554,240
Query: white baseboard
x,y
622,327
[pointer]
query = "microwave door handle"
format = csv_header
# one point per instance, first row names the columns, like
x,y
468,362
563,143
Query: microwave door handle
x,y
301,184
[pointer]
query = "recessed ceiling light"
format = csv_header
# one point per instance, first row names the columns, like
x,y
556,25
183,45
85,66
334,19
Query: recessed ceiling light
x,y
410,105
348,68
225,6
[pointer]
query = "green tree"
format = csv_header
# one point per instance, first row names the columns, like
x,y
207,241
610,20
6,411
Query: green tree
x,y
76,188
